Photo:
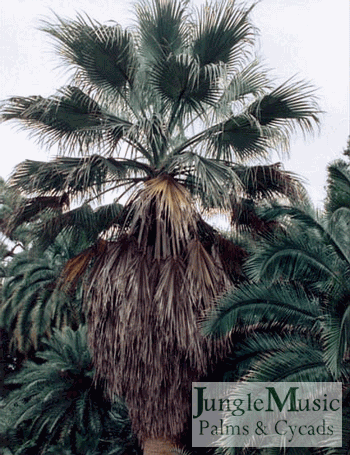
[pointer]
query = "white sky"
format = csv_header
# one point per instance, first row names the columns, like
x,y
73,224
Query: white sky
x,y
307,38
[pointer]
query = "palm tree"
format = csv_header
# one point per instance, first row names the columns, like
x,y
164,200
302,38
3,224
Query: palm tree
x,y
57,406
168,113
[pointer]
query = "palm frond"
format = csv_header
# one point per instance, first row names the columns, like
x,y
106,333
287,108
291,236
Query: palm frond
x,y
259,303
57,403
293,258
34,206
184,85
75,176
104,54
162,28
289,105
245,217
80,223
32,302
252,80
212,180
70,119
221,31
293,359
338,187
237,139
305,248
336,339
262,182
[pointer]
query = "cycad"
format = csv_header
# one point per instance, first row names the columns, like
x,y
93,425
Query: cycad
x,y
171,111
57,406
294,315
34,299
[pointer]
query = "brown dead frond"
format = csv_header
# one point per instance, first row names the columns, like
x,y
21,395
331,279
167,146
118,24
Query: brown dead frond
x,y
76,267
163,215
147,294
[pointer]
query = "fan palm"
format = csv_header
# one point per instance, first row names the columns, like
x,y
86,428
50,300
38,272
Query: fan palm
x,y
172,111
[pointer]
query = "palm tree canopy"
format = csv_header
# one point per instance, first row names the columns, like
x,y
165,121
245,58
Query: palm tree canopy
x,y
175,95
171,109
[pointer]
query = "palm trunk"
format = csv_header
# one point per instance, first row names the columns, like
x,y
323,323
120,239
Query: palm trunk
x,y
159,446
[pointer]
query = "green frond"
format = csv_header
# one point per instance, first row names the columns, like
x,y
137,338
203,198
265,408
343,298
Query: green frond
x,y
252,80
237,139
162,28
293,258
338,187
212,180
295,360
35,206
80,223
76,177
32,302
223,29
289,105
182,83
245,217
305,248
269,353
57,402
254,304
338,230
104,54
70,119
336,339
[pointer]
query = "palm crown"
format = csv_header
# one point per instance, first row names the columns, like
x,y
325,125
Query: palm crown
x,y
171,109
143,100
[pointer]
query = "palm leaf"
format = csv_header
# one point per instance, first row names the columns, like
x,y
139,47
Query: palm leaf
x,y
258,303
221,31
336,339
338,187
287,106
245,217
296,360
211,179
162,28
182,83
262,182
238,138
69,119
103,54
76,176
251,80
57,402
32,207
